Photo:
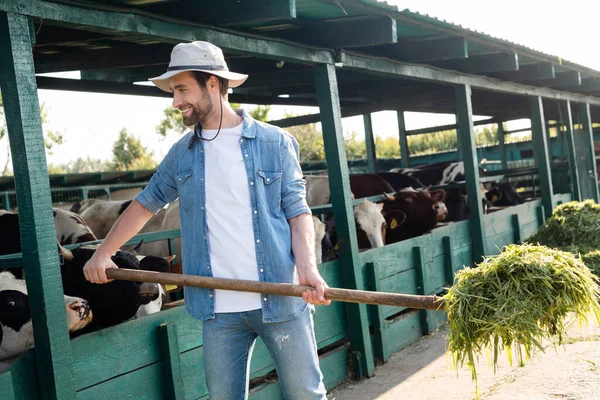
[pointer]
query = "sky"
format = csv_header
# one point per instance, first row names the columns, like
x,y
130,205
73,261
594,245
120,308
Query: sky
x,y
91,122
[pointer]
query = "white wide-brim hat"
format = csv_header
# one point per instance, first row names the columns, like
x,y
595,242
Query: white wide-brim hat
x,y
198,56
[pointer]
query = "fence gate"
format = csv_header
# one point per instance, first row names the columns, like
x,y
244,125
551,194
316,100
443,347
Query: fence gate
x,y
585,165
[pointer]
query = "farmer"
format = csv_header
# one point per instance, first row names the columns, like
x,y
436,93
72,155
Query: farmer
x,y
243,216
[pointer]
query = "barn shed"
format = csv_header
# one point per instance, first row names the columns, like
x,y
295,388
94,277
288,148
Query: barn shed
x,y
347,57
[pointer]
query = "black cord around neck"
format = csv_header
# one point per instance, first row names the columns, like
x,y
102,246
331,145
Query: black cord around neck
x,y
198,129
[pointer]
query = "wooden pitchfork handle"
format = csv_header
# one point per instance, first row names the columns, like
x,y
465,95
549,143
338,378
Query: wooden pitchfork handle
x,y
283,289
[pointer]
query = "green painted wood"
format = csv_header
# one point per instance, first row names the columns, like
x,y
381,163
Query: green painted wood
x,y
516,228
335,152
144,383
38,236
590,85
501,145
345,33
404,153
541,214
234,12
530,72
421,285
171,361
402,331
370,143
482,63
564,109
440,128
377,314
6,387
392,68
171,31
129,346
466,138
24,378
540,151
569,79
430,50
583,111
450,260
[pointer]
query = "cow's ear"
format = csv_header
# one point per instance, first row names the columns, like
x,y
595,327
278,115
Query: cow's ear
x,y
438,195
380,206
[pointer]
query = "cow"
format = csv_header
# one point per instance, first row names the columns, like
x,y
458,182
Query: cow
x,y
113,302
423,210
443,173
71,228
456,200
323,246
16,330
101,215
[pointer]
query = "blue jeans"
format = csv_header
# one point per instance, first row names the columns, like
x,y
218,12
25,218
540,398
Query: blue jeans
x,y
228,343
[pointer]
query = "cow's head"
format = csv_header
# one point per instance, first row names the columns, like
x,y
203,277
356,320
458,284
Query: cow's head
x,y
421,205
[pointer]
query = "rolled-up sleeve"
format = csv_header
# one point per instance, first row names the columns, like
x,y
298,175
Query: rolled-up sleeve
x,y
293,187
162,188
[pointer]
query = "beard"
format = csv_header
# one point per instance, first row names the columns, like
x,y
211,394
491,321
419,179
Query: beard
x,y
200,110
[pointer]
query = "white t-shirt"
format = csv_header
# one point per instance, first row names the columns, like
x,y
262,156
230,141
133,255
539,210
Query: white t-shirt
x,y
229,219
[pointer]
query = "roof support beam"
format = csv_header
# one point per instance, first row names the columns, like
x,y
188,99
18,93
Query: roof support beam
x,y
177,31
562,80
230,12
118,57
530,72
589,85
430,50
44,82
346,33
477,64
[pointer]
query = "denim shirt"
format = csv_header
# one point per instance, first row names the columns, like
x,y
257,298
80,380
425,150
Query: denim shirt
x,y
277,193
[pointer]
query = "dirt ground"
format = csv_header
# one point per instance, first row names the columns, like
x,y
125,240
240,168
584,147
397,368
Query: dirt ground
x,y
422,372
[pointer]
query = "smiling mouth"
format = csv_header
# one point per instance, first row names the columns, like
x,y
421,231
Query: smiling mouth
x,y
185,111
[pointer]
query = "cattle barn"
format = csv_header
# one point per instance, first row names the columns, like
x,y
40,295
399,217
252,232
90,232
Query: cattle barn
x,y
347,57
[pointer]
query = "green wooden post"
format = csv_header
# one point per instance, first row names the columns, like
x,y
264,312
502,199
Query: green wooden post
x,y
467,141
450,259
38,237
585,119
540,152
404,155
370,142
459,149
6,201
169,346
565,110
339,182
421,281
502,145
516,226
377,314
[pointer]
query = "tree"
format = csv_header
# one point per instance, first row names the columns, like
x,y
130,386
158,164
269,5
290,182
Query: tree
x,y
130,154
51,138
310,142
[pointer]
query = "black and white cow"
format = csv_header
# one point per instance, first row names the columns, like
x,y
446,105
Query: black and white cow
x,y
444,173
16,330
113,302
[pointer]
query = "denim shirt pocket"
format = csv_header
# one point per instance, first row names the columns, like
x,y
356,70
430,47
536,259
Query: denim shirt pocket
x,y
186,189
271,186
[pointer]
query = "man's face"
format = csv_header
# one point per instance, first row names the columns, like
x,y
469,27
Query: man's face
x,y
193,101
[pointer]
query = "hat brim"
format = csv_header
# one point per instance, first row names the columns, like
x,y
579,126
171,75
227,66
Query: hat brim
x,y
235,79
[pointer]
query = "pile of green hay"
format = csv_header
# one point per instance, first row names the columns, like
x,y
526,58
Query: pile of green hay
x,y
574,227
515,300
